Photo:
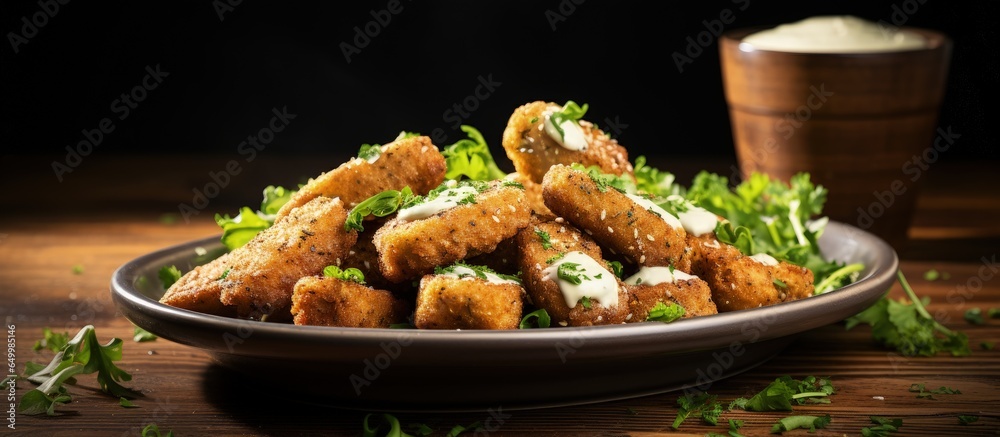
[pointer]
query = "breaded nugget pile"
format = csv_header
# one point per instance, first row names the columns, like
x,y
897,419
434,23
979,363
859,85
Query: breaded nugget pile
x,y
458,254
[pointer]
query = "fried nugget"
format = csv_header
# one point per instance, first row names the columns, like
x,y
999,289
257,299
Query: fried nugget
x,y
599,297
461,299
459,221
626,224
503,259
740,282
364,257
319,300
532,149
264,271
651,285
409,162
201,289
533,195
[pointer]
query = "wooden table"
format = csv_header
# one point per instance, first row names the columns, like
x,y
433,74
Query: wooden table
x,y
97,222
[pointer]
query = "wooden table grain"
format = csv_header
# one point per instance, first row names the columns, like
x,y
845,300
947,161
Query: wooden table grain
x,y
56,261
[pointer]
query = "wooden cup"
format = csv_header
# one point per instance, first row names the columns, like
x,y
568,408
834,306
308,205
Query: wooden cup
x,y
862,125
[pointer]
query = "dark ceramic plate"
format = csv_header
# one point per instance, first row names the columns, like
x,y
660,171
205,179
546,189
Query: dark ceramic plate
x,y
422,370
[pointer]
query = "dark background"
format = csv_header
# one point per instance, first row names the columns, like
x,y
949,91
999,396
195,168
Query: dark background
x,y
225,75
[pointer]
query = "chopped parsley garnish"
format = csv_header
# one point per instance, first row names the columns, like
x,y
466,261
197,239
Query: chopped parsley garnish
x,y
585,301
569,112
51,340
168,275
779,395
704,405
152,430
470,158
806,422
555,258
617,268
349,274
967,420
603,180
125,403
481,272
224,275
544,236
909,328
666,313
140,335
922,391
779,283
379,205
536,319
572,273
512,183
78,269
974,316
369,152
81,355
883,426
533,120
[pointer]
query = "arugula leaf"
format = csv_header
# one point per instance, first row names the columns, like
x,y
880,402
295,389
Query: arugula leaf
x,y
168,275
348,274
379,205
471,158
666,313
238,230
51,340
81,355
908,327
779,394
883,426
652,181
795,422
536,319
704,404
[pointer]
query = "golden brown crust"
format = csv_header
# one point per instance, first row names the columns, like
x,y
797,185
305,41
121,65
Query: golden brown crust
x,y
612,218
324,301
201,288
414,162
533,195
545,293
532,151
740,282
411,249
264,271
692,294
449,302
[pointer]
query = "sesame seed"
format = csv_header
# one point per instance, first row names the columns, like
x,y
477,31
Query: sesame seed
x,y
604,213
650,237
423,149
588,232
512,208
610,230
642,259
635,233
496,219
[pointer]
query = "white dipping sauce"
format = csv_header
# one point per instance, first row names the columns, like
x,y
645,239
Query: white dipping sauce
x,y
463,272
650,206
657,275
446,200
765,259
833,34
572,137
600,284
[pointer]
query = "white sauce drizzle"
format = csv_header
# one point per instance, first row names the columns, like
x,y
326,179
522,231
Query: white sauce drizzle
x,y
657,275
446,200
602,285
463,272
698,221
649,205
764,259
572,138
